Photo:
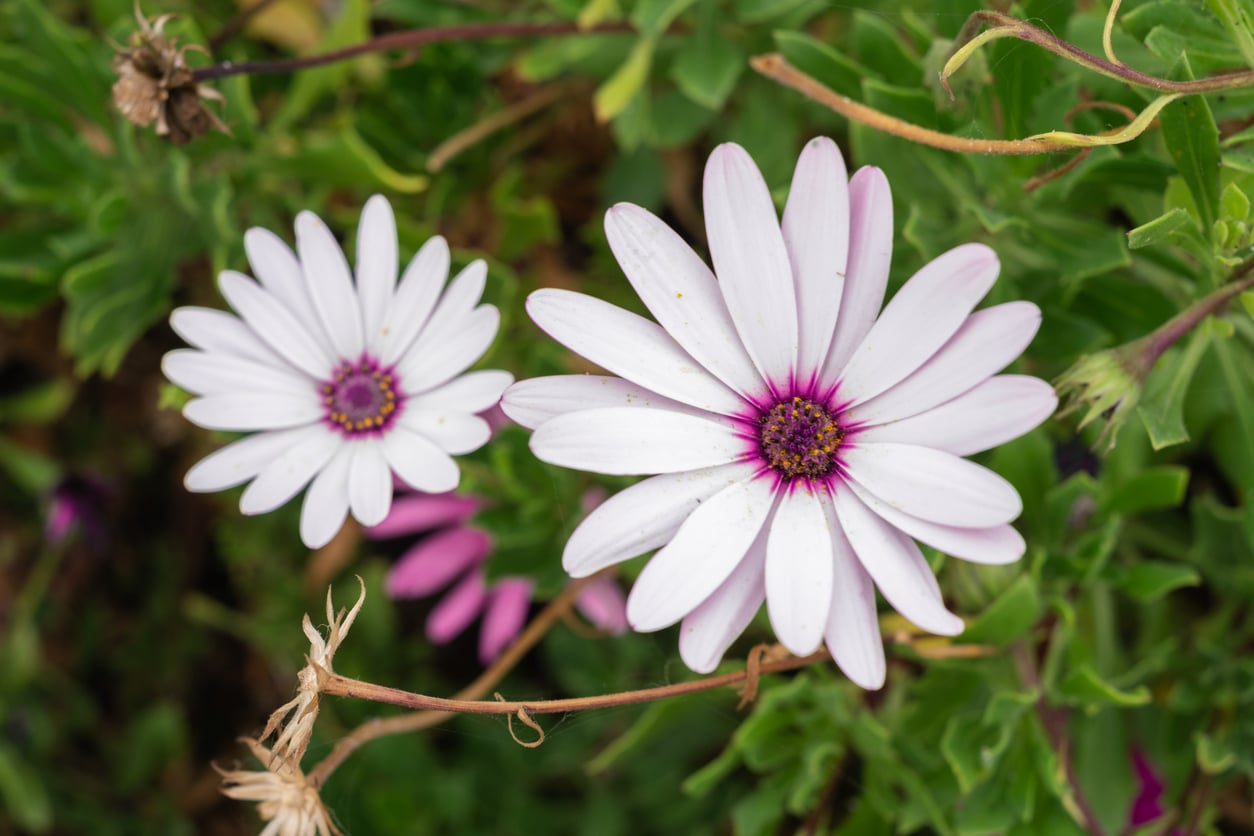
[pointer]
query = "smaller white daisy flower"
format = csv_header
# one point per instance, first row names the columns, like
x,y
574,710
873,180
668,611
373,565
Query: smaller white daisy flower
x,y
343,383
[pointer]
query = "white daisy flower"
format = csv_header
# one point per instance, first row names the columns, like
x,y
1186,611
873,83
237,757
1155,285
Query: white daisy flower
x,y
802,442
344,384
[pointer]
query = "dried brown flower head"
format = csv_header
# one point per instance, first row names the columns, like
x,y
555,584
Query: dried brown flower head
x,y
156,85
285,798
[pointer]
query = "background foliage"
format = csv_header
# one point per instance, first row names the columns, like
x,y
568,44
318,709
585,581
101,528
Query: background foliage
x,y
138,649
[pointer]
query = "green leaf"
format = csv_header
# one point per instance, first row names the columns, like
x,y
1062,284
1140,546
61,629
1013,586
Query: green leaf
x,y
352,26
1193,142
1236,19
1213,756
1007,618
1151,490
1247,302
343,158
1162,405
707,68
652,17
617,92
1150,580
1234,204
25,798
826,65
1084,686
1160,230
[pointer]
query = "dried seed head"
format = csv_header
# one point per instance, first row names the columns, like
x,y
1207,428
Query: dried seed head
x,y
156,85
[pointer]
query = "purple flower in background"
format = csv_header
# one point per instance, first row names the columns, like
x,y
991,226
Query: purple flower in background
x,y
451,555
1148,804
75,503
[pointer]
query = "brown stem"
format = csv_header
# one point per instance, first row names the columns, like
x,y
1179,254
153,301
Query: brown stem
x,y
416,721
460,141
409,39
1054,721
1182,323
1007,26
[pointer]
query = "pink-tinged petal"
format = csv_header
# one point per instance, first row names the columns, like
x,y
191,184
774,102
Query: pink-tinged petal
x,y
456,433
996,545
853,626
285,474
415,513
326,501
277,268
921,318
222,333
932,485
532,402
896,565
457,609
710,629
701,555
994,412
419,462
633,442
473,392
203,373
377,264
630,346
681,293
799,571
816,233
436,560
751,261
241,460
986,343
437,357
330,285
643,517
414,301
603,603
866,275
504,616
245,411
369,482
271,320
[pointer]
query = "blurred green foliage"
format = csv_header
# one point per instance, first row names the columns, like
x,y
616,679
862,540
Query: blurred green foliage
x,y
135,653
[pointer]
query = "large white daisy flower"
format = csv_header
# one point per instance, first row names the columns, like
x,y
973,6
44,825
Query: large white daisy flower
x,y
801,441
344,383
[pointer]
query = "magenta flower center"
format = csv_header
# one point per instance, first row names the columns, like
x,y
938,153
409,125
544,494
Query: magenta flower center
x,y
361,397
799,438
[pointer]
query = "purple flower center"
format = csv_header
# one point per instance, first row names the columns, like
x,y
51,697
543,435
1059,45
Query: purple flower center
x,y
361,398
799,438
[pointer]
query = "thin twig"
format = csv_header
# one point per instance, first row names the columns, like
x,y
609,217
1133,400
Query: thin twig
x,y
494,122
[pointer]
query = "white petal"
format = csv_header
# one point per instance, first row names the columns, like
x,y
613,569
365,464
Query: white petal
x,y
853,626
247,411
751,261
799,571
241,460
377,262
436,357
369,482
278,270
532,402
996,545
330,285
682,294
932,485
203,373
986,343
896,565
921,318
455,433
414,301
221,333
643,517
630,346
326,503
473,392
632,442
710,629
816,233
999,409
866,277
285,474
275,324
701,555
419,462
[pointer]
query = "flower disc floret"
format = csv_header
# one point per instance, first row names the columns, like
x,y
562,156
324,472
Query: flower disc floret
x,y
361,398
799,437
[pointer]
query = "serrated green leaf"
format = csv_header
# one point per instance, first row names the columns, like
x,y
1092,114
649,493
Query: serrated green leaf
x,y
1193,142
1151,490
1007,618
618,91
1085,686
1150,580
1160,230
